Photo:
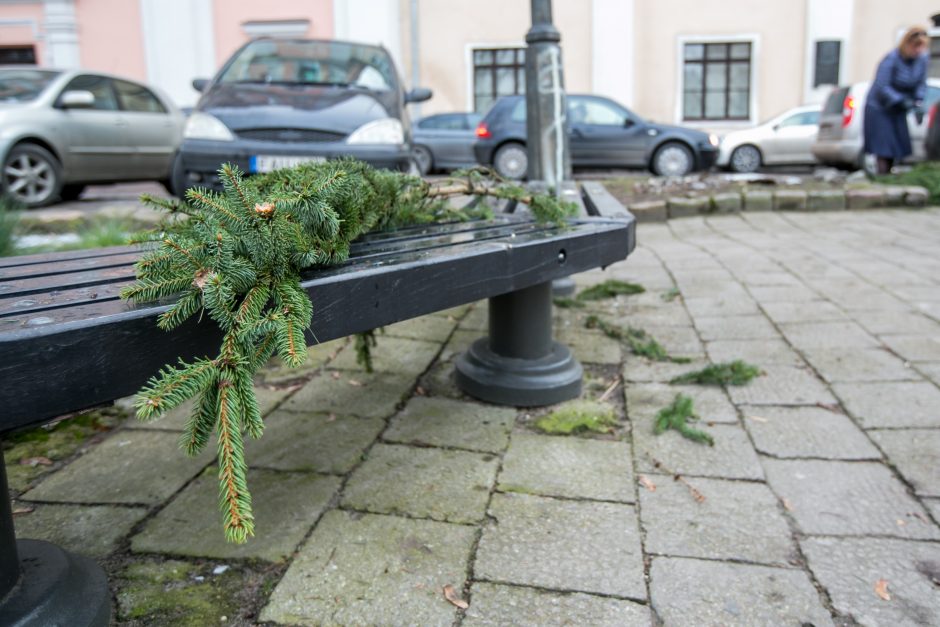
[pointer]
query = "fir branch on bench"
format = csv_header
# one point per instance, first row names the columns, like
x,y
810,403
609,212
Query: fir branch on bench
x,y
237,256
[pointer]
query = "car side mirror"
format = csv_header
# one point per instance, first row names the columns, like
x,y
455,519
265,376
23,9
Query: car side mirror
x,y
418,94
776,127
627,123
200,84
77,99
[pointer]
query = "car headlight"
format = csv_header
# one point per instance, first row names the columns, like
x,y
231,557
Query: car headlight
x,y
713,140
384,131
204,126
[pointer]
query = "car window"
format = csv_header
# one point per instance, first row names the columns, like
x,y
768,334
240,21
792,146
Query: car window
x,y
24,85
834,101
135,97
590,111
518,111
933,95
804,118
99,86
473,119
446,122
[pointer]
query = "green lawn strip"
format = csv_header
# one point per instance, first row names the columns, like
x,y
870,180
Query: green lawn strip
x,y
925,175
677,416
735,372
637,340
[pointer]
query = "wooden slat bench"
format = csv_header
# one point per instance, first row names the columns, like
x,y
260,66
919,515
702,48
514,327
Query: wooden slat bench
x,y
66,342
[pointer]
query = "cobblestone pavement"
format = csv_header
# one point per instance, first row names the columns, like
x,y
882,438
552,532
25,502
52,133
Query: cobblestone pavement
x,y
818,504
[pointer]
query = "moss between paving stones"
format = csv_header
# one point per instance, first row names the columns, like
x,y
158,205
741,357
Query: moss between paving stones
x,y
758,201
825,200
725,203
578,416
790,200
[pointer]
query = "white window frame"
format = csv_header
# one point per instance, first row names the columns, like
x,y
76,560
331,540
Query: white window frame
x,y
751,38
468,62
276,28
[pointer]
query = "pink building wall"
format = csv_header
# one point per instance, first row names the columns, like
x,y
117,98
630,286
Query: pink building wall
x,y
17,35
110,38
231,14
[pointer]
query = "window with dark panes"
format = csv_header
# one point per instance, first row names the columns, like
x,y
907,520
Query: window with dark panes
x,y
828,54
716,82
17,55
137,98
100,88
933,68
497,72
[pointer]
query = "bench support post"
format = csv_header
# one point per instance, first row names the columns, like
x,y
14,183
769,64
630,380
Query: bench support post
x,y
519,363
40,584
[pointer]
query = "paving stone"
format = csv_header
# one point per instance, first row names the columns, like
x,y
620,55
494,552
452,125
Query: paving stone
x,y
933,506
731,457
736,328
864,198
817,335
543,542
285,506
359,394
815,311
895,322
806,432
911,570
651,211
128,467
757,352
446,485
847,498
725,203
720,594
393,354
495,605
891,404
916,454
318,356
915,347
590,348
92,530
682,207
441,381
477,319
678,525
429,328
459,342
859,364
758,201
445,422
781,385
373,570
931,370
177,418
790,200
327,443
825,200
783,294
644,400
916,196
640,369
569,467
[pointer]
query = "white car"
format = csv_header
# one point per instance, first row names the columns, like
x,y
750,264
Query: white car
x,y
784,140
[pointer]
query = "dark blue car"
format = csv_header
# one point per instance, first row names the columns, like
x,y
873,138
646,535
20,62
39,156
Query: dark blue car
x,y
602,133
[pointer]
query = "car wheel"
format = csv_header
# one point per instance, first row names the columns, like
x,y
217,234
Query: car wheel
x,y
511,161
424,160
673,159
71,191
745,159
178,180
32,175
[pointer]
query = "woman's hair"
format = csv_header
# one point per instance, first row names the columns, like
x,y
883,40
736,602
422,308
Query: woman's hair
x,y
913,36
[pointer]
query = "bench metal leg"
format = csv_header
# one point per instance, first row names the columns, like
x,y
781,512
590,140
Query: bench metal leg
x,y
519,363
40,584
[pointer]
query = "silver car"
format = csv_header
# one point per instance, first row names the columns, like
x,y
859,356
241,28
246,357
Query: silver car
x,y
445,141
61,130
783,140
841,126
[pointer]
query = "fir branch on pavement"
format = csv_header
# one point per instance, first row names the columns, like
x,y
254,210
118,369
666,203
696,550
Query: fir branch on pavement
x,y
637,340
735,372
677,416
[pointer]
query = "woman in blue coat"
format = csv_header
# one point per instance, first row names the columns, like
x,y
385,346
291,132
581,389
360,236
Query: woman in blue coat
x,y
899,87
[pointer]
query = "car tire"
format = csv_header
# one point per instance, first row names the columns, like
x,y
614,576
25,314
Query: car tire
x,y
178,180
71,191
672,159
745,159
424,160
32,176
511,161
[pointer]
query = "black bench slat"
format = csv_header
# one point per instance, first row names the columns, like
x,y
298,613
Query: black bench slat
x,y
100,351
65,267
61,257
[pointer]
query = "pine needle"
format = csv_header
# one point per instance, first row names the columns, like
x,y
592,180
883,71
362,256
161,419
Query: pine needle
x,y
637,340
735,372
677,417
609,289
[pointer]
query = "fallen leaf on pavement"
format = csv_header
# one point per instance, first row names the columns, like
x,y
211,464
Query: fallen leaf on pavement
x,y
833,407
758,419
331,418
646,483
420,391
354,383
23,510
787,505
335,375
451,595
881,589
36,461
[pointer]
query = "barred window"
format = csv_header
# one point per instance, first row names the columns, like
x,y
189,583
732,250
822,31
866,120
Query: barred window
x,y
16,55
716,83
828,54
497,72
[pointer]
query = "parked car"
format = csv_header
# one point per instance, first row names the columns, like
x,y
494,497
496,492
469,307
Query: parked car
x,y
280,102
601,133
932,141
445,141
784,140
61,130
840,140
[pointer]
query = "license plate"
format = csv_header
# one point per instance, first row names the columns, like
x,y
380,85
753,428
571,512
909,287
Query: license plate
x,y
268,163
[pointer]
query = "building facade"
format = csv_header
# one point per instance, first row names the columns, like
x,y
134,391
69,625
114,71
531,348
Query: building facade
x,y
715,64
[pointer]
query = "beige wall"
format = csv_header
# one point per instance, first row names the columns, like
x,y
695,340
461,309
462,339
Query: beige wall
x,y
777,55
118,24
229,18
877,25
448,28
20,24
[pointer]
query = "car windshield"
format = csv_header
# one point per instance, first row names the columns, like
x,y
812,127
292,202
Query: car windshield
x,y
312,63
24,85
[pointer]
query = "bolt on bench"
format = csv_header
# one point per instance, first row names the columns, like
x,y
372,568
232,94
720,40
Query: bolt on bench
x,y
66,338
